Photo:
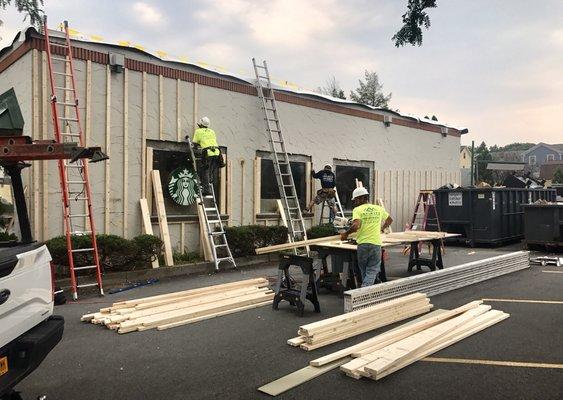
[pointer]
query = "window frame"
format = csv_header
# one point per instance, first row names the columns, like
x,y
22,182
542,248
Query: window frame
x,y
550,157
369,165
530,160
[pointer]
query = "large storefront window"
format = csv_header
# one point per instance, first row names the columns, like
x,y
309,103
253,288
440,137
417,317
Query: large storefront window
x,y
346,176
269,191
167,159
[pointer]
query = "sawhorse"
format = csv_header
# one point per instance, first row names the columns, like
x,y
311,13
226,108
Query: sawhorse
x,y
285,288
435,262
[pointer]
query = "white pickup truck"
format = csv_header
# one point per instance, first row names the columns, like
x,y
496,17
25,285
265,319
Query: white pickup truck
x,y
28,330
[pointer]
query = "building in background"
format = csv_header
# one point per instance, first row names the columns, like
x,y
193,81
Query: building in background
x,y
542,153
139,113
464,157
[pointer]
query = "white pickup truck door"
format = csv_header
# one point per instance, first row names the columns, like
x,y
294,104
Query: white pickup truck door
x,y
30,299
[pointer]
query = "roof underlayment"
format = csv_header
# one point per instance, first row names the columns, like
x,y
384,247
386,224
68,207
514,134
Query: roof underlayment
x,y
166,57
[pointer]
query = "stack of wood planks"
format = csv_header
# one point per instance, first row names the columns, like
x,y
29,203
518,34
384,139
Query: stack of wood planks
x,y
331,330
386,353
180,308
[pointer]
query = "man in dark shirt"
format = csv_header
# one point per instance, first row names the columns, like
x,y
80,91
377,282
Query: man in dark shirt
x,y
327,192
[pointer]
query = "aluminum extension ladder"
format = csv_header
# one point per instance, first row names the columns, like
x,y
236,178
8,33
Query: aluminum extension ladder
x,y
211,219
282,168
74,178
339,210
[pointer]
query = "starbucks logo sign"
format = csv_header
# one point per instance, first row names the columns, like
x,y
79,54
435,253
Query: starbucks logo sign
x,y
182,186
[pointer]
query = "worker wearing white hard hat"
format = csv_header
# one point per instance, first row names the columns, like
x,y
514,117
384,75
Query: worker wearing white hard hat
x,y
368,220
327,192
211,155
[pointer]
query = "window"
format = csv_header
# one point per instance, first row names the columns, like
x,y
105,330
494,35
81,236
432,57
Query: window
x,y
464,156
167,157
532,160
550,157
269,192
346,176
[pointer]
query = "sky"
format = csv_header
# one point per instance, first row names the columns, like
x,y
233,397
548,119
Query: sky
x,y
493,66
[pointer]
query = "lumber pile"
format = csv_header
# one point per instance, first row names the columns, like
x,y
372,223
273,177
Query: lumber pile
x,y
180,308
331,330
437,282
384,354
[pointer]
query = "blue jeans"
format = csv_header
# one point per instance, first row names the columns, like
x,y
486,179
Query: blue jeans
x,y
369,262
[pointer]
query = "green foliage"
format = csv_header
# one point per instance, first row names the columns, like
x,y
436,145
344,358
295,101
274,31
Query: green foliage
x,y
187,257
482,153
558,176
413,20
29,7
370,92
516,146
7,237
115,252
243,240
320,231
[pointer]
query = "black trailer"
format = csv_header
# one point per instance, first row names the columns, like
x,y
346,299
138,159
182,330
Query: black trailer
x,y
490,216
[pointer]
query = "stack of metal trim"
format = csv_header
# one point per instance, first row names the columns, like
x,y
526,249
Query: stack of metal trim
x,y
436,282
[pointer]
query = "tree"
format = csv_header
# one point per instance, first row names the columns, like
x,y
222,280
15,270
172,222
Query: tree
x,y
370,92
332,88
483,154
558,176
413,20
28,7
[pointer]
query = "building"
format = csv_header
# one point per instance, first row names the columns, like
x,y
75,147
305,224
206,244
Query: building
x,y
139,113
542,153
464,157
548,169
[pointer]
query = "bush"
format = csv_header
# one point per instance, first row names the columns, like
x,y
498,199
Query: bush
x,y
6,237
243,240
116,253
187,257
320,231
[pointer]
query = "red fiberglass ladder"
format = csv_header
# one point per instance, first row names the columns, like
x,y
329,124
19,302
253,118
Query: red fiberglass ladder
x,y
75,185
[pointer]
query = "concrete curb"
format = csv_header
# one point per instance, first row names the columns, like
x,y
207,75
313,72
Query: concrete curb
x,y
117,279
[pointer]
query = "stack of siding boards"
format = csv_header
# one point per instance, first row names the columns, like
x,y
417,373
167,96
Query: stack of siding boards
x,y
388,352
331,330
180,308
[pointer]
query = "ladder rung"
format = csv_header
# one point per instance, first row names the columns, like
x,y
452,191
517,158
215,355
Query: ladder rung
x,y
64,88
61,73
76,182
217,233
62,103
69,119
58,45
73,166
86,267
214,221
270,109
60,59
70,134
221,245
77,215
82,250
210,209
81,232
225,258
86,285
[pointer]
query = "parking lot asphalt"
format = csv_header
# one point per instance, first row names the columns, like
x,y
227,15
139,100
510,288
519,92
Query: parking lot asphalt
x,y
231,356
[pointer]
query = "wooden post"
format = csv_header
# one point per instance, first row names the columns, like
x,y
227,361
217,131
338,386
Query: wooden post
x,y
257,188
125,148
178,113
195,101
149,162
144,170
242,191
223,184
160,108
203,236
230,191
108,146
162,220
45,129
308,182
147,225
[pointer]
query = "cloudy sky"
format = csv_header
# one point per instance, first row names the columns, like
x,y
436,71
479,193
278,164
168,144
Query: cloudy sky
x,y
494,66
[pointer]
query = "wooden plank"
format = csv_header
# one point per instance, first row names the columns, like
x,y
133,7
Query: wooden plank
x,y
107,188
205,317
148,165
178,112
35,135
144,169
242,188
302,243
182,237
147,225
308,182
256,188
230,191
162,221
205,246
223,191
195,103
46,134
160,108
125,193
299,377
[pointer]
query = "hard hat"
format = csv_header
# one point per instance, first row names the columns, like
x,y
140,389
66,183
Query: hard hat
x,y
328,166
204,122
359,192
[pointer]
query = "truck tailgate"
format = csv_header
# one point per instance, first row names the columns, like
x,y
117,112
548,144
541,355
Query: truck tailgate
x,y
25,289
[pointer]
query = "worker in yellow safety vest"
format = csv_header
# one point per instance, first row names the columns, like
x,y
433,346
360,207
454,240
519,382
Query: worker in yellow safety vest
x,y
368,220
210,155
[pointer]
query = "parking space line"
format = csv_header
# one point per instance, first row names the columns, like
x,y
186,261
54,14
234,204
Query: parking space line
x,y
524,301
493,362
553,272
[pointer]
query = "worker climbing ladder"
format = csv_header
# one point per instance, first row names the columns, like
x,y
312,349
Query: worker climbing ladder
x,y
331,215
74,178
425,215
282,168
211,216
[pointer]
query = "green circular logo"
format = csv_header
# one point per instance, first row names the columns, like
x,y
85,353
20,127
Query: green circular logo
x,y
183,186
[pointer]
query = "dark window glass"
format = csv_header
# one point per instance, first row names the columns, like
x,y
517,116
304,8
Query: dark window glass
x,y
269,186
346,182
166,162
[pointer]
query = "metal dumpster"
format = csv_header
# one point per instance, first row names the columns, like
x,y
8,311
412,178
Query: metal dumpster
x,y
486,215
543,224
